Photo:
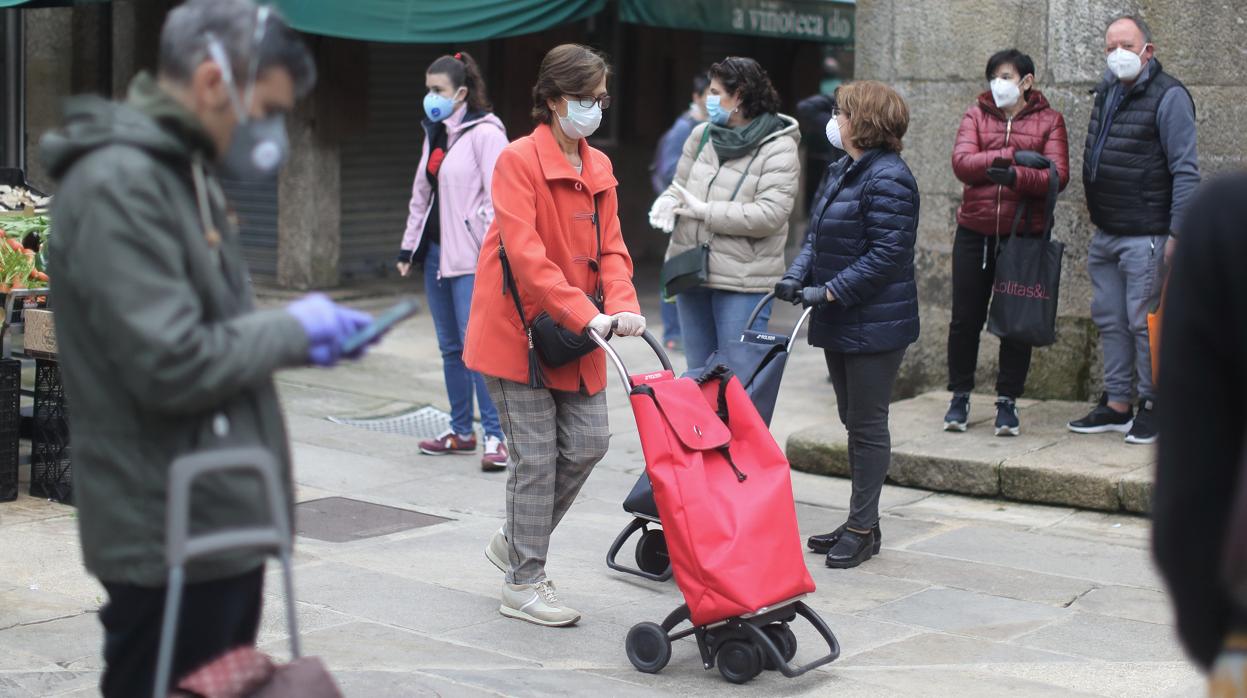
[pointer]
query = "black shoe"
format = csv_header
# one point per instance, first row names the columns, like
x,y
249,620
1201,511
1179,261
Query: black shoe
x,y
851,550
958,415
1143,431
825,542
1103,419
1007,422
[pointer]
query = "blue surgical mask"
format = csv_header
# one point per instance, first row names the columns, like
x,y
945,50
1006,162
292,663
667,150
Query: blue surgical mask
x,y
714,110
438,107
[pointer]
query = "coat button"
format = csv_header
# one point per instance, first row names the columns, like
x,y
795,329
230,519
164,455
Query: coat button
x,y
220,426
578,187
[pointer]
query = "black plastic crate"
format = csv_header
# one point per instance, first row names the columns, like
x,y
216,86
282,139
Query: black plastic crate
x,y
10,426
50,473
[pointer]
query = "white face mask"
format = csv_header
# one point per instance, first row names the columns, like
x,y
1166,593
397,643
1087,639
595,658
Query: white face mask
x,y
833,133
1005,92
1125,64
580,122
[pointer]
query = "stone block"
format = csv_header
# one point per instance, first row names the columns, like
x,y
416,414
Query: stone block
x,y
1135,490
1143,605
872,38
1201,42
967,613
997,580
935,111
1220,113
938,648
1111,639
1085,560
821,450
1076,36
947,471
952,39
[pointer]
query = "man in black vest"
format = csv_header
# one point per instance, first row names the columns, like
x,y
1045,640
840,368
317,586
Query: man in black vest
x,y
1140,167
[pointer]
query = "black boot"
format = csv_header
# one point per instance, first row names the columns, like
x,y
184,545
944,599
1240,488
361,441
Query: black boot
x,y
823,543
851,550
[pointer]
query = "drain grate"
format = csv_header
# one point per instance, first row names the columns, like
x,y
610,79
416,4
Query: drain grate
x,y
426,422
341,519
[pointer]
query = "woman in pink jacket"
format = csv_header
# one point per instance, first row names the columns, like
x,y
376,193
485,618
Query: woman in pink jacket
x,y
450,211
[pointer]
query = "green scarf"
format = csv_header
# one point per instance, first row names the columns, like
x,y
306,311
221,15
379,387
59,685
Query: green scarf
x,y
731,143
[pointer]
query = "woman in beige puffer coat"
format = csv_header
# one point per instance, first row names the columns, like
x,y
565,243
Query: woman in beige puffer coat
x,y
734,190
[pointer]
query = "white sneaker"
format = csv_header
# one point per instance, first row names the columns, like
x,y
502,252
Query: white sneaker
x,y
536,603
498,551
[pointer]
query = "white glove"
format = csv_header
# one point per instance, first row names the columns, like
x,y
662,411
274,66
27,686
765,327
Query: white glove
x,y
662,214
602,324
629,324
692,207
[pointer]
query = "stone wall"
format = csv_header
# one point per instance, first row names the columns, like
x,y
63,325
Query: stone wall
x,y
934,52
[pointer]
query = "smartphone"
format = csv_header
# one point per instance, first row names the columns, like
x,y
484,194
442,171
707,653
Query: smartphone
x,y
381,324
1002,163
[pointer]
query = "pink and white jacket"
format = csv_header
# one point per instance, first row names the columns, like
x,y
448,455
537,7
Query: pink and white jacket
x,y
464,181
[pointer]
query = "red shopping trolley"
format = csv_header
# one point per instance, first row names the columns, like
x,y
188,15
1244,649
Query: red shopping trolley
x,y
724,494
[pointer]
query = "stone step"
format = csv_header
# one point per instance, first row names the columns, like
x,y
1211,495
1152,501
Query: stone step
x,y
1047,464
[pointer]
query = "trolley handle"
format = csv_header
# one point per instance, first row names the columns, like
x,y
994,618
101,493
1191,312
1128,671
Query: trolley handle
x,y
619,364
757,310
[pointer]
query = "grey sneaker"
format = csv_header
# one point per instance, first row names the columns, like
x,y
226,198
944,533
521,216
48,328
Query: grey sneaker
x,y
498,551
536,603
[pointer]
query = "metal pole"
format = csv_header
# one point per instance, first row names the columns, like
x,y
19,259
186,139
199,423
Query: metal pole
x,y
13,81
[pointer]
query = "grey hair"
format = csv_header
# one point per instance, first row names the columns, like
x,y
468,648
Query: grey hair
x,y
1138,22
189,28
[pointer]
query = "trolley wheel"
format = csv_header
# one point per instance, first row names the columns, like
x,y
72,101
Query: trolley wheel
x,y
651,552
648,647
784,639
739,660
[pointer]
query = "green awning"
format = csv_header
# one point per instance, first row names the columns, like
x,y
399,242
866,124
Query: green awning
x,y
32,4
432,21
825,21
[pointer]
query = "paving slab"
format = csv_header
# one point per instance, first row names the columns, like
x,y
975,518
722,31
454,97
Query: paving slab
x,y
1047,464
1104,563
41,684
1104,637
997,580
361,646
73,643
1144,605
975,682
940,648
967,613
403,684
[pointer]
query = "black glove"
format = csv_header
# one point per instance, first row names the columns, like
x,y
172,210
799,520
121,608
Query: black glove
x,y
1029,158
787,290
814,296
1002,175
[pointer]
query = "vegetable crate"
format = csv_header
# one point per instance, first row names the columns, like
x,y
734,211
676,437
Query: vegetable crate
x,y
50,474
10,426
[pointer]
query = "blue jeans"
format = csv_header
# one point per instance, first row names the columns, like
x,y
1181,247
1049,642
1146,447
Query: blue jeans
x,y
449,300
710,319
670,319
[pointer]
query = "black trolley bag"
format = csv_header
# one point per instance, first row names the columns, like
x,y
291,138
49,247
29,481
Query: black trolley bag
x,y
758,360
1028,279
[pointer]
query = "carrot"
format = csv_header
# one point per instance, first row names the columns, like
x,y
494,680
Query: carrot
x,y
15,244
39,276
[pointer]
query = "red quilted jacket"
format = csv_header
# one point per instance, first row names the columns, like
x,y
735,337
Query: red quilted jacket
x,y
985,134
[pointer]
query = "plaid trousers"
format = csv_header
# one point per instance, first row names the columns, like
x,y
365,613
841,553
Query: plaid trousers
x,y
554,439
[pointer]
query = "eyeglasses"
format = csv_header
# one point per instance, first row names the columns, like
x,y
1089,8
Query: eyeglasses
x,y
588,101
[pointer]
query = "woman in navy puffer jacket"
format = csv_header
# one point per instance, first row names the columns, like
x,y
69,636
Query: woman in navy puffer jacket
x,y
857,269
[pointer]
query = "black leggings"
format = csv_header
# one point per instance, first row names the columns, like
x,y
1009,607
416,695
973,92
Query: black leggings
x,y
863,385
216,617
974,271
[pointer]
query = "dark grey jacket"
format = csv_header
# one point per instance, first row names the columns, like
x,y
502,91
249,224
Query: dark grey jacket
x,y
161,350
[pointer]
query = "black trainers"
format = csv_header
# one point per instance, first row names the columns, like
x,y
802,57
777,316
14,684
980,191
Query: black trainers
x,y
1143,431
1007,422
958,415
1103,419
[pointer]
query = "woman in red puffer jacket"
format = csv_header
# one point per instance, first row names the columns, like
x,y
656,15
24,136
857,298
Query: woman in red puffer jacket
x,y
1011,116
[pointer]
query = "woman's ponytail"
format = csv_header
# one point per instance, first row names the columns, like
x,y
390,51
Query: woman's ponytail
x,y
463,71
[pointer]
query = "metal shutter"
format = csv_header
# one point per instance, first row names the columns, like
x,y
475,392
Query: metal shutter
x,y
256,206
379,163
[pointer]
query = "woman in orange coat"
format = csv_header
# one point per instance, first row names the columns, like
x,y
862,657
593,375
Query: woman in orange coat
x,y
551,191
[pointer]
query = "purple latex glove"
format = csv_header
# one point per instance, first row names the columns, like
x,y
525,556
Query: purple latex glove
x,y
327,326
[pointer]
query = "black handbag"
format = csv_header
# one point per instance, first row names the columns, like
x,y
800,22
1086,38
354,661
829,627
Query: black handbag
x,y
549,342
1028,280
686,271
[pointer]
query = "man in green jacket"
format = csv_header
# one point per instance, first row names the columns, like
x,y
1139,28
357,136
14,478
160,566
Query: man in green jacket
x,y
162,350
